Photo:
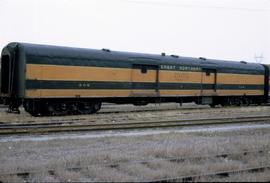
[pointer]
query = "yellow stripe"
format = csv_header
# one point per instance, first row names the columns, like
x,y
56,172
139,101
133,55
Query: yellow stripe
x,y
240,92
180,92
126,93
209,92
83,93
78,73
223,78
75,93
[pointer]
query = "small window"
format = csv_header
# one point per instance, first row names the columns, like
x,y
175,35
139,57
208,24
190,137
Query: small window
x,y
144,70
208,73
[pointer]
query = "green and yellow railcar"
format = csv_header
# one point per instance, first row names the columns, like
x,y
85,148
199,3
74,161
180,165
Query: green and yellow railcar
x,y
58,80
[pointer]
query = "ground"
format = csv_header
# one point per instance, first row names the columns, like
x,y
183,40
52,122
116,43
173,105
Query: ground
x,y
90,158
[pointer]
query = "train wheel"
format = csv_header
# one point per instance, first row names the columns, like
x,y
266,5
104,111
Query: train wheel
x,y
96,107
34,113
84,108
89,108
33,108
246,102
212,105
240,102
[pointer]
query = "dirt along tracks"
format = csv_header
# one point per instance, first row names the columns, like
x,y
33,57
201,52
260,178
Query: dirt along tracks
x,y
153,117
141,158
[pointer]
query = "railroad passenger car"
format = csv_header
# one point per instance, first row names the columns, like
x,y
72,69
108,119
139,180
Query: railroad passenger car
x,y
51,80
1,98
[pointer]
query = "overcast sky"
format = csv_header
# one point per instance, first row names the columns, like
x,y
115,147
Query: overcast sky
x,y
221,29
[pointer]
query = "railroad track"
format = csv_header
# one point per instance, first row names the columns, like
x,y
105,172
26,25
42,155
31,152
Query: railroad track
x,y
112,108
186,178
55,127
189,178
220,174
109,110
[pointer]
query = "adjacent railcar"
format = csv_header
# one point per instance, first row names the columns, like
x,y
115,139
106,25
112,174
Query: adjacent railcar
x,y
1,98
50,80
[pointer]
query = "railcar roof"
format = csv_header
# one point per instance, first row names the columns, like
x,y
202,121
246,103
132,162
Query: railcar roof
x,y
85,53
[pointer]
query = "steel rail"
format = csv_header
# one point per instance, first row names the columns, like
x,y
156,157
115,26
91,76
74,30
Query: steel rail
x,y
64,121
110,110
9,130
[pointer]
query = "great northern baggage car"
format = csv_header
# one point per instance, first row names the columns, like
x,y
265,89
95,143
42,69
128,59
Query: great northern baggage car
x,y
50,80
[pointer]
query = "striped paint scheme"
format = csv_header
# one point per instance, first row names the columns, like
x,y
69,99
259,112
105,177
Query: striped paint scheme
x,y
125,64
70,81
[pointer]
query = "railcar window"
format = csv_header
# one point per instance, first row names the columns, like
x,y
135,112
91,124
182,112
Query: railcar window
x,y
144,70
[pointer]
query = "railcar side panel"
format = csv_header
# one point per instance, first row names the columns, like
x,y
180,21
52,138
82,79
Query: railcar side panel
x,y
71,81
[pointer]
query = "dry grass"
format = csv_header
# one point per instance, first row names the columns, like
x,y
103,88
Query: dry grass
x,y
92,154
241,177
11,178
42,176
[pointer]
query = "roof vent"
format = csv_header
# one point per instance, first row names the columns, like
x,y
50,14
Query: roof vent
x,y
243,62
163,54
202,58
107,50
175,56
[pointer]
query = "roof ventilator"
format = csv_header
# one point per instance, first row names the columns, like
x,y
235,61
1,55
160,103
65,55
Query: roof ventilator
x,y
107,50
243,62
175,56
202,58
